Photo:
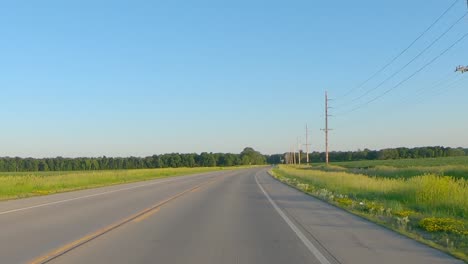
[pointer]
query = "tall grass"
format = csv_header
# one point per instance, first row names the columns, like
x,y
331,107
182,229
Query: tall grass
x,y
429,194
438,195
19,185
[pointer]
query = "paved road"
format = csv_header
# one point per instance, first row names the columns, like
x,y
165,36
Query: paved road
x,y
242,216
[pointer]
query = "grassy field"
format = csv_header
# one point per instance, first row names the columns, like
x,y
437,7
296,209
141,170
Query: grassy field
x,y
405,163
428,202
26,184
456,167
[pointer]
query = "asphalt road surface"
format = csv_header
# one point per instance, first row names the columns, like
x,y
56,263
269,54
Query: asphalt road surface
x,y
240,216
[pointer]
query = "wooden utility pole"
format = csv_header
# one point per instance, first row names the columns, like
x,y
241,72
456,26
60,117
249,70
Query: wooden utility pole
x,y
298,151
294,155
326,130
307,144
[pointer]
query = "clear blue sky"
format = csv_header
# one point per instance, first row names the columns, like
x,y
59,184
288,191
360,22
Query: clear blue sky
x,y
115,78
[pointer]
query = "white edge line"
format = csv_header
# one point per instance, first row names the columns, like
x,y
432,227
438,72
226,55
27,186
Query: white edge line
x,y
320,257
88,196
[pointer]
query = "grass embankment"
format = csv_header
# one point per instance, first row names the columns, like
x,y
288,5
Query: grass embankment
x,y
26,184
430,208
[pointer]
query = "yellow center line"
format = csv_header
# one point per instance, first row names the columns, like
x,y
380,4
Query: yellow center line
x,y
136,218
194,190
148,214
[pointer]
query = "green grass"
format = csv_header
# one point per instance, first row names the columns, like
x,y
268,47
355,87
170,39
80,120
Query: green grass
x,y
456,167
405,163
26,184
398,197
430,194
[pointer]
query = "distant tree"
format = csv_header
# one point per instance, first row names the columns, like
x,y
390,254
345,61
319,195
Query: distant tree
x,y
247,156
251,157
455,152
188,160
42,166
275,159
174,160
385,154
227,159
207,160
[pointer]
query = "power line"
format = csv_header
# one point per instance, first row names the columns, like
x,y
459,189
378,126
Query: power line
x,y
448,82
412,60
421,93
434,90
451,86
442,81
448,78
408,78
402,52
440,89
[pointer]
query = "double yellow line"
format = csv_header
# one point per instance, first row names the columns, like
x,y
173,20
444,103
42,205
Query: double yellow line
x,y
138,217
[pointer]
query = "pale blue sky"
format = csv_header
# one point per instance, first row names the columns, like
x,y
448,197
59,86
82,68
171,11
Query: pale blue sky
x,y
121,78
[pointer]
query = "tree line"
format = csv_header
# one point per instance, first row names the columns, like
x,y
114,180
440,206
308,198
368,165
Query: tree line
x,y
174,160
248,156
389,153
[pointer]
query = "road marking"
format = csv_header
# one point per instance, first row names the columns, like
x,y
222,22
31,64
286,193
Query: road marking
x,y
320,257
144,216
194,190
88,196
75,244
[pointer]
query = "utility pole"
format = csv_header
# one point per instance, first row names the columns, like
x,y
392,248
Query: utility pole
x,y
462,69
294,155
326,130
307,145
298,150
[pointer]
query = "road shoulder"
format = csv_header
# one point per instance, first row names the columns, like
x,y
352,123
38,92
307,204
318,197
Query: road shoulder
x,y
348,238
